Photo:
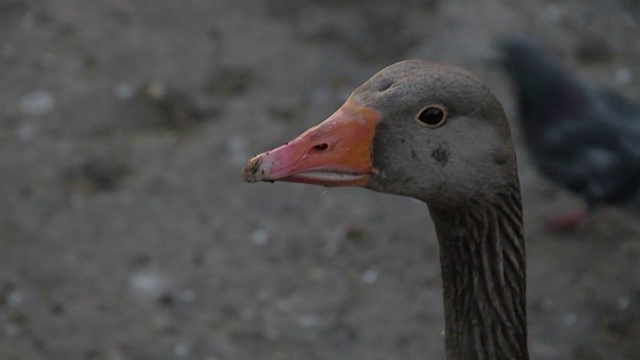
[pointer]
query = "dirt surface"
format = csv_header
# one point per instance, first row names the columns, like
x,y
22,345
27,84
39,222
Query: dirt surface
x,y
127,233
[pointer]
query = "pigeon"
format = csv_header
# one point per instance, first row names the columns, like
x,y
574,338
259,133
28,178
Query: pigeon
x,y
580,136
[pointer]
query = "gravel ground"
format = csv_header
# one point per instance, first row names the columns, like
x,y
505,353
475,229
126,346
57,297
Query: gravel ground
x,y
127,233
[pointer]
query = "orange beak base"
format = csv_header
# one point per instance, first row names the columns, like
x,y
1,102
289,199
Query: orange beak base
x,y
337,152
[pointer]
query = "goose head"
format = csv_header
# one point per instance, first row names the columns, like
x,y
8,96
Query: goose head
x,y
416,128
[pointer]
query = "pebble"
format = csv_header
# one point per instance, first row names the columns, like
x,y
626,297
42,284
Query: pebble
x,y
622,75
623,303
260,237
147,283
37,103
124,91
369,277
237,149
15,298
181,350
307,321
156,90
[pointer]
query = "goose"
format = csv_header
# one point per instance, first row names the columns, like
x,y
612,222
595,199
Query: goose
x,y
433,132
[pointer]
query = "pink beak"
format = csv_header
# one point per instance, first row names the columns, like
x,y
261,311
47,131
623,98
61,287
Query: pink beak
x,y
337,152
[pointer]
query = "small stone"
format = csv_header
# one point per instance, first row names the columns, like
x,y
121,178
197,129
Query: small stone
x,y
307,321
181,350
148,283
156,90
124,91
237,149
15,298
622,75
260,237
37,103
369,277
623,303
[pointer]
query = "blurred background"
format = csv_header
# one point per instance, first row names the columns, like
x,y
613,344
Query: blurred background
x,y
126,231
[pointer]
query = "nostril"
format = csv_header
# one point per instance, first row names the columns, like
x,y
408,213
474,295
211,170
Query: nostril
x,y
321,147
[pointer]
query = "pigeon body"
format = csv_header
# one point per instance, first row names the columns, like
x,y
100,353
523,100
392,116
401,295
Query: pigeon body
x,y
584,138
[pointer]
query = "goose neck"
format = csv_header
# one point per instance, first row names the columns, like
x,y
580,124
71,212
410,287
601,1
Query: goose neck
x,y
482,255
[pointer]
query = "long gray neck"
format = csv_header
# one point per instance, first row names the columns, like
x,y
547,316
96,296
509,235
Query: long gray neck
x,y
482,254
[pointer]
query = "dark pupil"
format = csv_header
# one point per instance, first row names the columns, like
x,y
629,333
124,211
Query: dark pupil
x,y
431,116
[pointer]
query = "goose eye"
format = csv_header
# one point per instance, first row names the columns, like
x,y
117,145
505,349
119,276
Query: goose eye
x,y
432,116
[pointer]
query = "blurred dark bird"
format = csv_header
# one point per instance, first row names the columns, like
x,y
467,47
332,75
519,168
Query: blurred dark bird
x,y
582,137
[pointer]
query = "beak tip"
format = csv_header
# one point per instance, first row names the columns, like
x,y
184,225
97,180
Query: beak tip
x,y
251,172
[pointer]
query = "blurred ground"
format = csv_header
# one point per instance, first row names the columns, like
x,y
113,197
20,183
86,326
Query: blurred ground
x,y
127,233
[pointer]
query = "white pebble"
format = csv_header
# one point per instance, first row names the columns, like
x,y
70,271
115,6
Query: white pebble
x,y
15,298
39,102
369,277
237,148
124,91
260,237
622,75
623,303
307,321
181,350
147,283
